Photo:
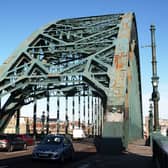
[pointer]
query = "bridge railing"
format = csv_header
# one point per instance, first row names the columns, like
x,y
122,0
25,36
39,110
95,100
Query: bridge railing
x,y
160,150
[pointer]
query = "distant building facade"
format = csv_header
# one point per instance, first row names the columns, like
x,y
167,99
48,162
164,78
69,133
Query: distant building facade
x,y
26,126
163,126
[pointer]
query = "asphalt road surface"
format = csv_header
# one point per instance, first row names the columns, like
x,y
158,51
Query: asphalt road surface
x,y
22,159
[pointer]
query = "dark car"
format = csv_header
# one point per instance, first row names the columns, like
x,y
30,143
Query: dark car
x,y
54,147
27,138
11,142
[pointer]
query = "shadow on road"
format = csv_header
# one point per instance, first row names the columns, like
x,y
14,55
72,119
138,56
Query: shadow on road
x,y
83,159
87,156
27,162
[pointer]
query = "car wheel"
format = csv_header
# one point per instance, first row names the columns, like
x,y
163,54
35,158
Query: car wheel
x,y
62,158
72,156
10,149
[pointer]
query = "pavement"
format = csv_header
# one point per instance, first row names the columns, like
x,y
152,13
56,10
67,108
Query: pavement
x,y
137,156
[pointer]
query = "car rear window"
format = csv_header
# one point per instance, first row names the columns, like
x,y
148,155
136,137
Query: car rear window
x,y
3,137
52,140
8,136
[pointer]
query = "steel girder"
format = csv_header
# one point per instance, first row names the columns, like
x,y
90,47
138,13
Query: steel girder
x,y
95,52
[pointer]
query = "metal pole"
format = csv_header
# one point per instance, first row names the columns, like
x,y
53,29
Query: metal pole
x,y
153,45
92,118
102,117
66,106
73,112
98,110
27,126
48,111
79,121
155,80
17,121
84,109
66,115
34,117
150,124
95,117
43,122
73,106
88,124
58,106
79,104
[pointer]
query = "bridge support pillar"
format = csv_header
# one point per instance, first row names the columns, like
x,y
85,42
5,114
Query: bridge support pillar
x,y
112,131
111,141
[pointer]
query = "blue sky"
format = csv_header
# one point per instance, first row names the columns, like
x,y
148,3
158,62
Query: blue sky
x,y
20,18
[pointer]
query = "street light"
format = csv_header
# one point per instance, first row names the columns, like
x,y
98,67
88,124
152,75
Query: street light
x,y
150,122
155,80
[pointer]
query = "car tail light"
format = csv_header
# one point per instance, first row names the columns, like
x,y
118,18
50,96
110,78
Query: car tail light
x,y
4,141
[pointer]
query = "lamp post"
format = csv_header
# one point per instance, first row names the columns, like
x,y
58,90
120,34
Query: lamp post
x,y
155,80
150,122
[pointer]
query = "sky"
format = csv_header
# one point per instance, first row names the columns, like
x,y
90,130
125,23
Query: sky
x,y
20,18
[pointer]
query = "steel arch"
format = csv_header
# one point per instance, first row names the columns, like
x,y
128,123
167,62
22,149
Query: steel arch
x,y
98,51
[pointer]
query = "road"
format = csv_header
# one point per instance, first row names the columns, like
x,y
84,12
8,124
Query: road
x,y
22,159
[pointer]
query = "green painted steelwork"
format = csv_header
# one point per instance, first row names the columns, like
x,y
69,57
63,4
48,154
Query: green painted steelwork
x,y
17,121
95,56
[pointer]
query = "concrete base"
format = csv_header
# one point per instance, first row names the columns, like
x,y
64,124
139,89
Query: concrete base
x,y
111,146
111,141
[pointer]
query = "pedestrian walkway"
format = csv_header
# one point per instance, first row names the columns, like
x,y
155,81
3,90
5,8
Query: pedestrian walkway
x,y
137,156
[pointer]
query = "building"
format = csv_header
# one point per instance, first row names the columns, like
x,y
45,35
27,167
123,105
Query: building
x,y
26,126
163,126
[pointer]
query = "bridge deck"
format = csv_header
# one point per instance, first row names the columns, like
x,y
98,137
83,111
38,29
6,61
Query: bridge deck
x,y
137,156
